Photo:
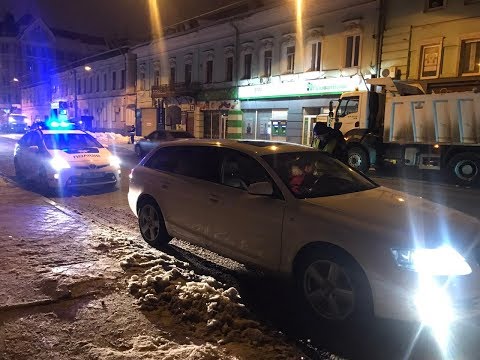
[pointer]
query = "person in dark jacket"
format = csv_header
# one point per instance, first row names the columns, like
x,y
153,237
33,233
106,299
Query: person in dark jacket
x,y
132,134
329,140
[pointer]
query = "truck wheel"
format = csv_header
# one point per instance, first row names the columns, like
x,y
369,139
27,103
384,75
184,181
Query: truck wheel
x,y
358,159
464,168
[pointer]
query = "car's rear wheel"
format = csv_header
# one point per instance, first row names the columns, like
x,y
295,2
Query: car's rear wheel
x,y
151,224
138,151
333,285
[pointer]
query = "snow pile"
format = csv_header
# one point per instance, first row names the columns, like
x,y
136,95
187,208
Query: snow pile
x,y
149,347
204,305
109,138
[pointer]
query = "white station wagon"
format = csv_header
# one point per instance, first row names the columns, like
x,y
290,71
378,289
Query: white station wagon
x,y
353,247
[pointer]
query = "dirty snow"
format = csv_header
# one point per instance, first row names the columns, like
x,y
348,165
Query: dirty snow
x,y
208,308
110,138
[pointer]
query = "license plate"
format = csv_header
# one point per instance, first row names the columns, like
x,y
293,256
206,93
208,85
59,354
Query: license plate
x,y
91,175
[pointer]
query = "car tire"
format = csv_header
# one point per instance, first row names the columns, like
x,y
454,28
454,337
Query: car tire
x,y
464,168
152,224
138,151
18,171
333,286
358,159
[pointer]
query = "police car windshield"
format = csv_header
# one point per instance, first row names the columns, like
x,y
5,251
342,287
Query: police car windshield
x,y
70,141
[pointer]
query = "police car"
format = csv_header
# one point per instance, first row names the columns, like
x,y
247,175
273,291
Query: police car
x,y
58,155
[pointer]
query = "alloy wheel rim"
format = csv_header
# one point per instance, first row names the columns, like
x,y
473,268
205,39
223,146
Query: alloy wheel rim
x,y
149,223
329,290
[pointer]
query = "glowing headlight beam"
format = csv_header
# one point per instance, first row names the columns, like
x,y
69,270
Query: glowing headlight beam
x,y
442,261
58,163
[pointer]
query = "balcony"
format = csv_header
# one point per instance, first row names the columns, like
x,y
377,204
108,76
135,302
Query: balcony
x,y
178,89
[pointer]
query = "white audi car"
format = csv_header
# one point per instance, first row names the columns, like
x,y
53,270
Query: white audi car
x,y
353,247
57,158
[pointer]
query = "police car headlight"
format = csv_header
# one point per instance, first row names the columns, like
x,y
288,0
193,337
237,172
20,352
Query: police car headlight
x,y
59,163
115,161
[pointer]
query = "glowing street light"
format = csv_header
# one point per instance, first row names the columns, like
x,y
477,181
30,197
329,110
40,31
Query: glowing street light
x,y
88,68
15,79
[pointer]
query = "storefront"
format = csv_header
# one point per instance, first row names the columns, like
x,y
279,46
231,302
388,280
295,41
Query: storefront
x,y
287,111
218,115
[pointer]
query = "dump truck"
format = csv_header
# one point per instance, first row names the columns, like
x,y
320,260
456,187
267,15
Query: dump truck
x,y
396,123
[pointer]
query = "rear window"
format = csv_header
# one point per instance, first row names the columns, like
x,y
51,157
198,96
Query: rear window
x,y
70,141
200,162
181,135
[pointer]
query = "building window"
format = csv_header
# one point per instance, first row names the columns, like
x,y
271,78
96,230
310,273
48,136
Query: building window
x,y
188,74
84,85
470,57
316,56
172,75
290,59
123,79
267,63
435,4
114,80
98,83
430,61
90,88
156,77
247,66
229,68
142,84
104,82
209,72
352,55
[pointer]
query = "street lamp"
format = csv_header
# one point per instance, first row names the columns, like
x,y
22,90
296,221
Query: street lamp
x,y
87,68
15,79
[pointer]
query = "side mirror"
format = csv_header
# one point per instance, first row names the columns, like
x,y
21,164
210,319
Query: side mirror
x,y
260,188
330,106
33,148
330,114
337,125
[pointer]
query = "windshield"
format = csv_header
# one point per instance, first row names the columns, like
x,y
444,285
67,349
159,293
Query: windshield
x,y
311,174
70,141
348,105
181,135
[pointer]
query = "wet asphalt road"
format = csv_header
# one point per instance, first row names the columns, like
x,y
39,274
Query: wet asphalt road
x,y
273,301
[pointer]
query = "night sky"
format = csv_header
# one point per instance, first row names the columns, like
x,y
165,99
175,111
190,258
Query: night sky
x,y
109,18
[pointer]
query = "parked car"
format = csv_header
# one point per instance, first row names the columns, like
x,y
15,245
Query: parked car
x,y
354,248
61,157
149,142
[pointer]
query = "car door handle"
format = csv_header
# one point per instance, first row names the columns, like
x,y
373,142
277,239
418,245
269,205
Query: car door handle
x,y
213,198
164,186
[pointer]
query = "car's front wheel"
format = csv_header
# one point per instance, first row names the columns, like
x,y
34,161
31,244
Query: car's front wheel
x,y
151,223
333,285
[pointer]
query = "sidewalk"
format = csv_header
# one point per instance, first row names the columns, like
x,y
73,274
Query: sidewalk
x,y
74,290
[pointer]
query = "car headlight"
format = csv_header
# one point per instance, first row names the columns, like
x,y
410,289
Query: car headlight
x,y
442,261
58,163
115,161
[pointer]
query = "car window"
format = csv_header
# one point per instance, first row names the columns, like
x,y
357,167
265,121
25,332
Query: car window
x,y
240,170
181,135
70,141
311,174
200,162
36,140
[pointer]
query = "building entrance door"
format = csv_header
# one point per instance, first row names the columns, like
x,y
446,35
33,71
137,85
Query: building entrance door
x,y
214,125
308,123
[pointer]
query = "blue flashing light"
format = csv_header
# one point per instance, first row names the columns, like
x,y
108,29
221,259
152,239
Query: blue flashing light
x,y
54,124
59,124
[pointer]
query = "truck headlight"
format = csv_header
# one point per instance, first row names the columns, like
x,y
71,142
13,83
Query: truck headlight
x,y
442,261
58,163
115,161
